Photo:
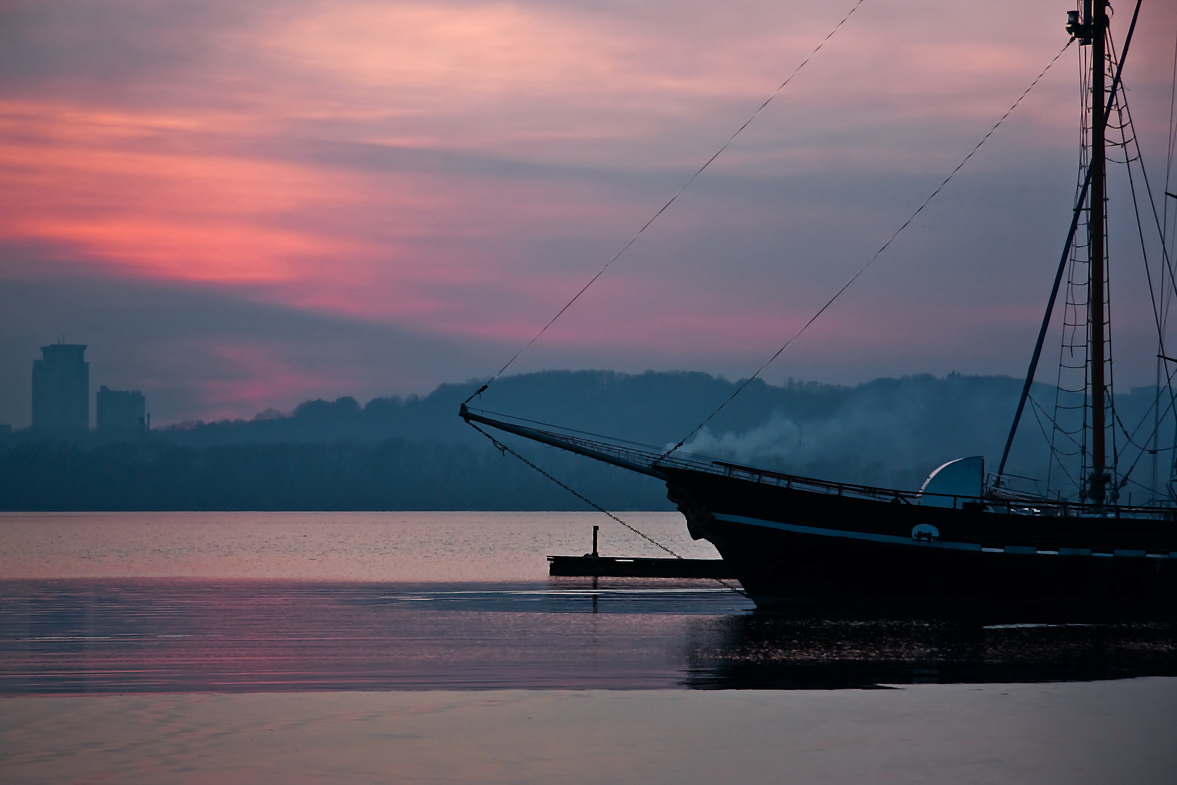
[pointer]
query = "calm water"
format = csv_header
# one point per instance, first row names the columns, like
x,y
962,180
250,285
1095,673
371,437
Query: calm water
x,y
433,648
247,602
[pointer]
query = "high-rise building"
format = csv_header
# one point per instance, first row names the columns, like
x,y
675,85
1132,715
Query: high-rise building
x,y
121,414
61,391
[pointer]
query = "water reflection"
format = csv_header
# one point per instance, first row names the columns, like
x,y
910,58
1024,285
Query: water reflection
x,y
767,652
82,636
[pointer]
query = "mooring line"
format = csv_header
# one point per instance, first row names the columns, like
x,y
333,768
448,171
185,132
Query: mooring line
x,y
505,449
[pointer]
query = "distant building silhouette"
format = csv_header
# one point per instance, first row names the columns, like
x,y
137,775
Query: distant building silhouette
x,y
61,391
121,414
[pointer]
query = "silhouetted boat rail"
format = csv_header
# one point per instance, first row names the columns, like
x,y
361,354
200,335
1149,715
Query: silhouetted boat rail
x,y
651,461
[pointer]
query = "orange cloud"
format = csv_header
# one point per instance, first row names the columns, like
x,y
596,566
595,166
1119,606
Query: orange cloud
x,y
125,195
85,182
462,168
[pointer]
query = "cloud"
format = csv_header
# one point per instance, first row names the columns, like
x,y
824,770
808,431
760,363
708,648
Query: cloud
x,y
450,173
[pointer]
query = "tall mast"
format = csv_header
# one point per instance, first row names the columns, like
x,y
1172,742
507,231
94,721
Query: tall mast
x,y
1089,27
1097,21
1092,31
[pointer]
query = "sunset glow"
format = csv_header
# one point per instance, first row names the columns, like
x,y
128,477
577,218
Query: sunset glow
x,y
385,196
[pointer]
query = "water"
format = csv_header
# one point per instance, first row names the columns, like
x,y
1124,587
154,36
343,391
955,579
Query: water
x,y
309,647
236,602
368,547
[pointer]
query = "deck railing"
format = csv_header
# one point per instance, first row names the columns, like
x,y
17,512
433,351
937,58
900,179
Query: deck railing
x,y
649,460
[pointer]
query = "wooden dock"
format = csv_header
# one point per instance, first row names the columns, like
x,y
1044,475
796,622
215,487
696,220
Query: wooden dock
x,y
594,565
589,566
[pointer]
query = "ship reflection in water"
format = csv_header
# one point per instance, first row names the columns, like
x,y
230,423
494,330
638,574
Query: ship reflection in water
x,y
144,636
767,652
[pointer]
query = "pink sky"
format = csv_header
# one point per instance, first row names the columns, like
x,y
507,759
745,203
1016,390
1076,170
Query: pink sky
x,y
239,206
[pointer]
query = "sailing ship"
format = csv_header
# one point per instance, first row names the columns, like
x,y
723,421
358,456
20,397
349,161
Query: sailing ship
x,y
964,541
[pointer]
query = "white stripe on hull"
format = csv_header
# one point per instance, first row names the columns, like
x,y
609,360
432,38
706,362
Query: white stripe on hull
x,y
911,542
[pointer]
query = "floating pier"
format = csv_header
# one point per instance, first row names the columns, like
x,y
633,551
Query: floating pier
x,y
617,567
593,565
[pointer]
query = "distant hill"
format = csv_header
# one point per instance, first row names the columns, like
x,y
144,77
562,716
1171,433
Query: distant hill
x,y
415,453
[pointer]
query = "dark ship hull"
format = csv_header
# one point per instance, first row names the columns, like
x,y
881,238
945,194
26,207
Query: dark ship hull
x,y
847,547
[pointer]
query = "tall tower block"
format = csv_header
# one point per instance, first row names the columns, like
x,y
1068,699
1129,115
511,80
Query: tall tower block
x,y
61,391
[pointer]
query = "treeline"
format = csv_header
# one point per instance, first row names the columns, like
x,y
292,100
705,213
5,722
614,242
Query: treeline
x,y
393,474
415,453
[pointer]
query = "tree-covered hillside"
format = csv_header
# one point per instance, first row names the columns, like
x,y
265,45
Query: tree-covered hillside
x,y
415,453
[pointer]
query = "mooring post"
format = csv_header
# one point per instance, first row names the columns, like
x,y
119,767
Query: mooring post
x,y
595,530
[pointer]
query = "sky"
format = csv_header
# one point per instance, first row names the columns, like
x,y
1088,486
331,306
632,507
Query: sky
x,y
242,206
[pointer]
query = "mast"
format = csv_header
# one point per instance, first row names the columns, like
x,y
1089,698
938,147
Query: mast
x,y
1094,486
1093,32
1098,21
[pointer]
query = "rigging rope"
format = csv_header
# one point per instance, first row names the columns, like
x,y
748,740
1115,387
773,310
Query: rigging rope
x,y
690,181
1132,155
1035,356
744,384
505,449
